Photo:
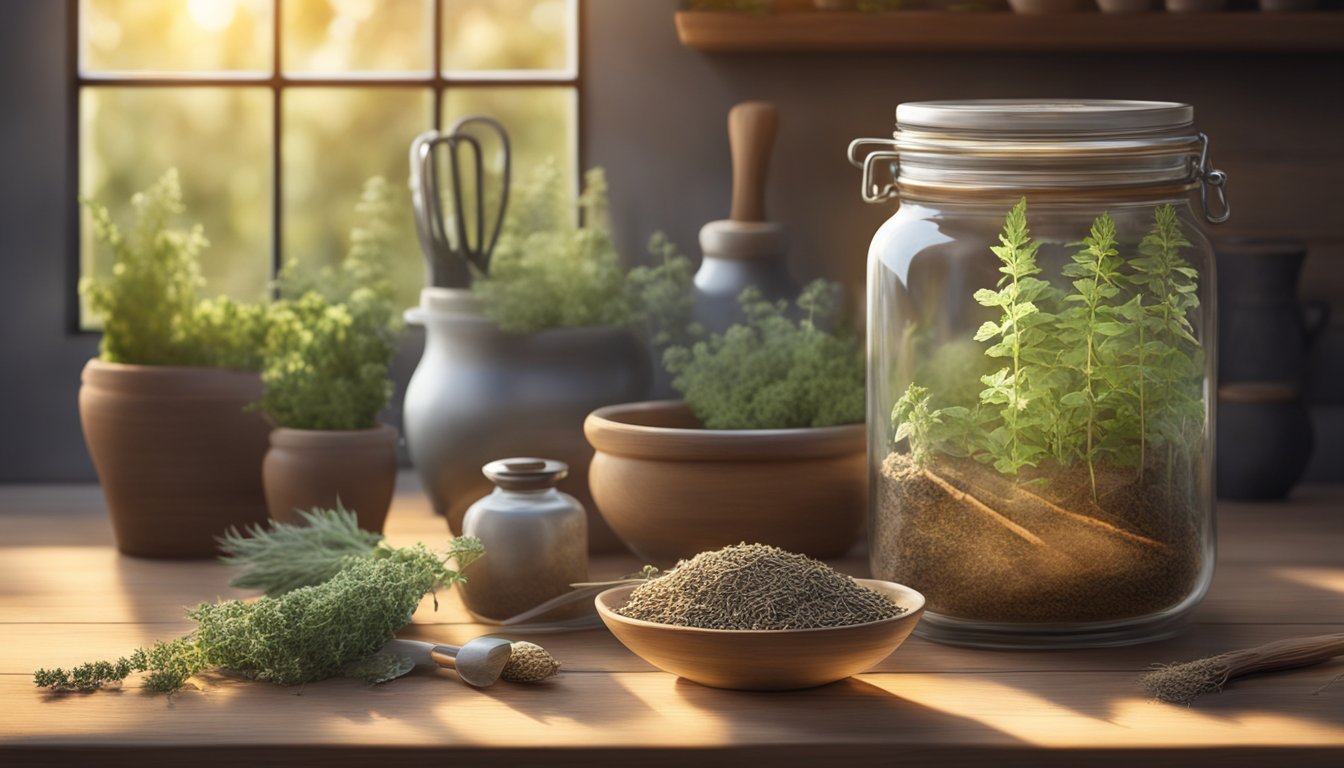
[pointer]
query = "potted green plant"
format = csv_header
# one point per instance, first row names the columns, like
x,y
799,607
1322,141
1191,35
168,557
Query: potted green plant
x,y
768,446
326,378
515,361
162,406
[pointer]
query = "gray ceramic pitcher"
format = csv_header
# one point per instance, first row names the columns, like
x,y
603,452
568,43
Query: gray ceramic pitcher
x,y
480,394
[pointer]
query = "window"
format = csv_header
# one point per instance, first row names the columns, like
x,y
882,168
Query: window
x,y
276,111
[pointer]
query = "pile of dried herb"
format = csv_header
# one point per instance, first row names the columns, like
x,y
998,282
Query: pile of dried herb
x,y
755,586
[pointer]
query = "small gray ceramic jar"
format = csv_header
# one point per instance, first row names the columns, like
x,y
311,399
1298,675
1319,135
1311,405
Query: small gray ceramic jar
x,y
535,539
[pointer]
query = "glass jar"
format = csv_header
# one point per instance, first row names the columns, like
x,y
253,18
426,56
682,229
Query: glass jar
x,y
1041,367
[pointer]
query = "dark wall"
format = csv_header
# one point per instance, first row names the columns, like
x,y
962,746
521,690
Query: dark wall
x,y
39,423
654,116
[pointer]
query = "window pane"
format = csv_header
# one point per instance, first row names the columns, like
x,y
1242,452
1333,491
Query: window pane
x,y
509,35
175,35
218,139
328,36
335,139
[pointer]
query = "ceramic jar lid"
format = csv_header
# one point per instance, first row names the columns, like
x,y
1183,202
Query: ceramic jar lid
x,y
525,474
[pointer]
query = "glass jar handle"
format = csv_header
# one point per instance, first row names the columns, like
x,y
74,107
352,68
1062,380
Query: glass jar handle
x,y
870,190
1211,178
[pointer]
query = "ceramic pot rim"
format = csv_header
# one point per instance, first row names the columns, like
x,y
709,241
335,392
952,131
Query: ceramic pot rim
x,y
172,381
613,429
910,599
287,437
460,307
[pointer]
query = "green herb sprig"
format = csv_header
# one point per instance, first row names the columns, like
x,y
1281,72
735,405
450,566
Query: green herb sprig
x,y
281,557
1020,439
1097,374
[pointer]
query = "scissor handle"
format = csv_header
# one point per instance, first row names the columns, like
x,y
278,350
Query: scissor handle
x,y
485,247
445,266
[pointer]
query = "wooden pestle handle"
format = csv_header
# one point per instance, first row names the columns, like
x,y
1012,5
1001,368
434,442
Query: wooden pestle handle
x,y
751,135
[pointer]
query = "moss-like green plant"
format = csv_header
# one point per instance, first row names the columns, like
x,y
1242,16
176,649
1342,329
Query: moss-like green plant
x,y
306,634
661,294
150,307
327,352
327,364
550,272
772,372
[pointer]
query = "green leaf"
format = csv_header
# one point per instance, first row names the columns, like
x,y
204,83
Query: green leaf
x,y
988,298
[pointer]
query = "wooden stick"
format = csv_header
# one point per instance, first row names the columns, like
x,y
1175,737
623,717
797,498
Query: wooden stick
x,y
1006,487
965,498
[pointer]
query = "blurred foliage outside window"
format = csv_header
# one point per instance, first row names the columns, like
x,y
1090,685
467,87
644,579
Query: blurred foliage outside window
x,y
195,84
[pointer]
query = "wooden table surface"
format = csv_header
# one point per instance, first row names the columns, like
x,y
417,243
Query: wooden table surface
x,y
66,596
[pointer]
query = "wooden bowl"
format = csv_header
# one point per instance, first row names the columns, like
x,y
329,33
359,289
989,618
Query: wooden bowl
x,y
671,489
764,660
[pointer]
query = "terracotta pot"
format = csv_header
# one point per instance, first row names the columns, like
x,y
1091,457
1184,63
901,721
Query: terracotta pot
x,y
671,489
307,468
176,453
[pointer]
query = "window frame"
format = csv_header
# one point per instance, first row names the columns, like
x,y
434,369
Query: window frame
x,y
436,80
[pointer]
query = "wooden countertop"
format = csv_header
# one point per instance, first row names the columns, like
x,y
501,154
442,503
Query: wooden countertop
x,y
66,596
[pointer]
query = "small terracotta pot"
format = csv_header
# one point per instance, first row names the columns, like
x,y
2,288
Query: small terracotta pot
x,y
671,489
307,468
176,453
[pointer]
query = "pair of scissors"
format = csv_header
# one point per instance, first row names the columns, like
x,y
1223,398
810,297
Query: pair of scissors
x,y
452,256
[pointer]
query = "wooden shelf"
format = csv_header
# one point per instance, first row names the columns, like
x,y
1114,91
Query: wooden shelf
x,y
998,32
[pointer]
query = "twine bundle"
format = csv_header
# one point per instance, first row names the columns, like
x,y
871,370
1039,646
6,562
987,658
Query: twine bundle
x,y
1183,683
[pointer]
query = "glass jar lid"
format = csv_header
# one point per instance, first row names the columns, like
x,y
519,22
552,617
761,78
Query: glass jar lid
x,y
1045,117
1010,147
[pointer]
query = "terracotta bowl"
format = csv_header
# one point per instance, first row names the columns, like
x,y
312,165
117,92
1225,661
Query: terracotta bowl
x,y
764,660
671,489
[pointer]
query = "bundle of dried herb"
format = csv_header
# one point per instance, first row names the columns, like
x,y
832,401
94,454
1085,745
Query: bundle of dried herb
x,y
755,586
306,634
1183,683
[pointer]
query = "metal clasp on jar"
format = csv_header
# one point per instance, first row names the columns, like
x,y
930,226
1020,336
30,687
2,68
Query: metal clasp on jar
x,y
872,191
1210,178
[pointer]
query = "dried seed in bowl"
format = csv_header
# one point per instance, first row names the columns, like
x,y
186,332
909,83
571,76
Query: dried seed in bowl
x,y
756,586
